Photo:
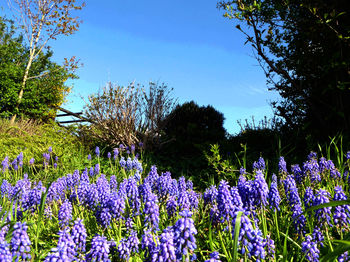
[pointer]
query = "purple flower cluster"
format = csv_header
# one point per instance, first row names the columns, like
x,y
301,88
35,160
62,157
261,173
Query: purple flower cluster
x,y
20,242
184,234
309,247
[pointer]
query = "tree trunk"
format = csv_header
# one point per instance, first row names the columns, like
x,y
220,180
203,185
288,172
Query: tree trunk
x,y
21,91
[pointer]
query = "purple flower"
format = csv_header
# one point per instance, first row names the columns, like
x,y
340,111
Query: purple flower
x,y
115,153
210,195
65,213
124,249
298,174
312,169
5,254
183,201
116,205
66,242
89,157
310,249
5,164
259,165
133,241
92,197
344,257
184,232
274,196
224,199
97,151
103,217
133,194
58,253
20,242
317,235
308,197
166,247
294,202
312,155
282,165
322,214
214,257
151,211
109,155
97,169
31,161
171,206
261,189
99,249
122,162
341,215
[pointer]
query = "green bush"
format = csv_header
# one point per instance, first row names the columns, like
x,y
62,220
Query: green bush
x,y
33,138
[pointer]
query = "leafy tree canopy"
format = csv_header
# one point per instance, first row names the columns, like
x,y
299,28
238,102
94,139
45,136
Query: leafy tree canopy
x,y
45,89
304,48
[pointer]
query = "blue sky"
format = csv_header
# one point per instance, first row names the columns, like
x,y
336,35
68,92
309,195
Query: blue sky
x,y
187,45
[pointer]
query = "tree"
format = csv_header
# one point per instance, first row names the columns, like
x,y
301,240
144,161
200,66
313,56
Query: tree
x,y
41,95
129,114
41,21
191,128
303,47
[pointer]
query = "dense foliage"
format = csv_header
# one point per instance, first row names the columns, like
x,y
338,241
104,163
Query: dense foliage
x,y
188,131
121,209
304,49
45,89
129,114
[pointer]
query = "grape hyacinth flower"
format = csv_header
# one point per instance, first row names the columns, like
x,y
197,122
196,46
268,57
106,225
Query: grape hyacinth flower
x,y
261,189
298,173
309,247
79,235
318,236
210,195
124,249
116,205
259,165
171,206
151,211
58,254
99,251
31,161
103,217
122,162
97,169
115,153
236,197
214,257
183,201
89,157
20,242
184,232
341,215
133,241
5,254
344,257
65,240
166,247
308,197
5,164
282,166
274,196
65,213
109,155
97,151
224,199
322,214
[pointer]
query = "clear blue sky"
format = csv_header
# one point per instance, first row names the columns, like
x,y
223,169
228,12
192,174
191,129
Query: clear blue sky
x,y
186,44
